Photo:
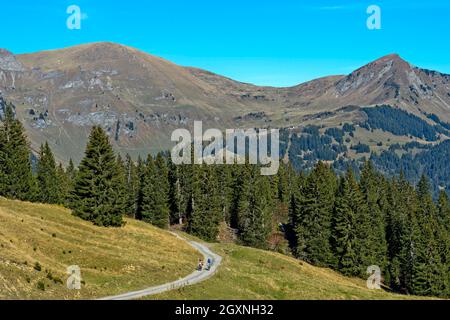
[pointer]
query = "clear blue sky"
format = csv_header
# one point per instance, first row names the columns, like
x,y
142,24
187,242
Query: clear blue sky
x,y
276,42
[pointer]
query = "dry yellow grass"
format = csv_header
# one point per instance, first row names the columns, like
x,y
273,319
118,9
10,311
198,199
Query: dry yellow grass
x,y
112,260
117,260
247,273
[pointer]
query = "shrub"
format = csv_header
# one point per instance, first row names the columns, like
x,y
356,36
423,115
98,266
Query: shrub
x,y
37,266
41,285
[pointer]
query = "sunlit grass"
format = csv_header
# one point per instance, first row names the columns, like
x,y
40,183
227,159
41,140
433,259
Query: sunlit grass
x,y
112,260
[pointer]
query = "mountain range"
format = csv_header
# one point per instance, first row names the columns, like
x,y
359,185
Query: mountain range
x,y
140,99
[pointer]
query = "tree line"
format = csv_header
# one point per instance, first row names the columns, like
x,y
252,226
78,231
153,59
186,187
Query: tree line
x,y
348,225
332,221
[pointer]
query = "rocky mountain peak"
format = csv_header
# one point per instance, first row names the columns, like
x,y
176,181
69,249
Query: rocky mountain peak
x,y
8,61
389,71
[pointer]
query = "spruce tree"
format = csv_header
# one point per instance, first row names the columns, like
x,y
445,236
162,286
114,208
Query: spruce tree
x,y
204,210
140,172
254,208
97,184
120,186
444,210
47,177
402,234
282,189
314,217
176,202
16,178
64,185
132,186
346,233
297,183
225,180
71,171
163,173
429,272
372,222
238,184
154,207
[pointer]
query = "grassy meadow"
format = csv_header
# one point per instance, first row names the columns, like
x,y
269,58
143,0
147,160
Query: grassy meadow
x,y
38,242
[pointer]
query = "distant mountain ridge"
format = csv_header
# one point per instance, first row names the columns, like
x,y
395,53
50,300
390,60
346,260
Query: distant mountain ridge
x,y
140,99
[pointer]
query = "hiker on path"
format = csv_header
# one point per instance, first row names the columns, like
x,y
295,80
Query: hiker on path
x,y
209,264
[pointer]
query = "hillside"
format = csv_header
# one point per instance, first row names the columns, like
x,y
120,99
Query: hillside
x,y
248,273
140,99
112,260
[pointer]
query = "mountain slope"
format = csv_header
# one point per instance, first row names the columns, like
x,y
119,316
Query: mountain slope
x,y
248,273
117,260
112,260
140,99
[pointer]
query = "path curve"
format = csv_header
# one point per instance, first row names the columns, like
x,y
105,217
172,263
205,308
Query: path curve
x,y
193,278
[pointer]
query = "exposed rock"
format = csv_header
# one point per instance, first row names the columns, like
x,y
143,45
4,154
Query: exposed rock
x,y
8,62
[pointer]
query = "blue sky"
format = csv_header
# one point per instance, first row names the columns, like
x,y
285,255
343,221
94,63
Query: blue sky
x,y
277,43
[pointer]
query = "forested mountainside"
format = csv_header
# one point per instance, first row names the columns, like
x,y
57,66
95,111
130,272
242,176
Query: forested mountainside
x,y
324,218
394,140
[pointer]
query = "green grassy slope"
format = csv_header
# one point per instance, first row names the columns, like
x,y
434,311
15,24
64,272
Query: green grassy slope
x,y
112,260
248,273
117,260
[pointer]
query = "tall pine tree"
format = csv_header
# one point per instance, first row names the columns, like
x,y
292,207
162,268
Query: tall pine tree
x,y
255,206
154,206
16,178
204,210
314,217
346,233
97,188
47,177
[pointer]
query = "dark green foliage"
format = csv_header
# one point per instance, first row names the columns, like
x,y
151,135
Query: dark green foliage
x,y
175,197
64,185
16,178
282,191
336,222
432,161
132,186
430,276
444,210
350,210
224,176
399,122
374,188
312,212
336,133
97,193
204,209
401,233
347,127
49,182
71,171
361,148
140,171
120,186
313,130
154,206
254,207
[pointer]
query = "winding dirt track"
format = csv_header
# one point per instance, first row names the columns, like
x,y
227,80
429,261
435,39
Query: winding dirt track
x,y
193,278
